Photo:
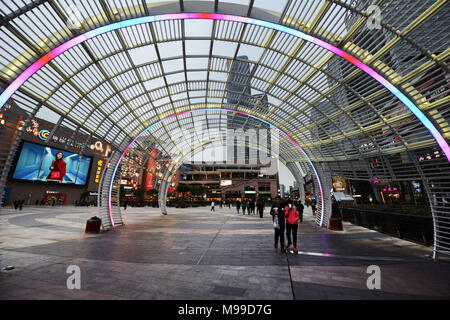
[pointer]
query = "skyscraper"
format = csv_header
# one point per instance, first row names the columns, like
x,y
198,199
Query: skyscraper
x,y
238,81
238,93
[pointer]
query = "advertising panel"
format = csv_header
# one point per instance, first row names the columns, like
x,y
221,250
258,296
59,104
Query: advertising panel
x,y
224,183
46,164
339,185
150,177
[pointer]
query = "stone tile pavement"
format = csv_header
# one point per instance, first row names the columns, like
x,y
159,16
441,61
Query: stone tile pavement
x,y
195,254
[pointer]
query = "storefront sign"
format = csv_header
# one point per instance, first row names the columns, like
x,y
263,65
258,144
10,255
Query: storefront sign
x,y
151,175
338,184
224,183
43,135
99,169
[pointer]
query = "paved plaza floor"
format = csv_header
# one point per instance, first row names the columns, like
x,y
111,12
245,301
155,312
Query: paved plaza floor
x,y
197,254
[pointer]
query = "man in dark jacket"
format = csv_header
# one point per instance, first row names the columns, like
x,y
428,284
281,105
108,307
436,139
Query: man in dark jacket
x,y
299,206
277,212
261,205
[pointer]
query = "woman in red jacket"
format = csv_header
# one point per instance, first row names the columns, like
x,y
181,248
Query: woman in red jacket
x,y
57,169
292,219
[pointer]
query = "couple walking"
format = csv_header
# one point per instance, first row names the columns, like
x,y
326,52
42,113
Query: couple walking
x,y
285,218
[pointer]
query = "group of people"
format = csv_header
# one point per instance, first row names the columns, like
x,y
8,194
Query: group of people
x,y
18,204
312,203
286,218
250,207
227,203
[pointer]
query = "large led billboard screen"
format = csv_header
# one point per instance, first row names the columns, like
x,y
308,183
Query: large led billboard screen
x,y
46,164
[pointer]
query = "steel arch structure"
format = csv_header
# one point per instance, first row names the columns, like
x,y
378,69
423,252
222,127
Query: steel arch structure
x,y
338,115
109,216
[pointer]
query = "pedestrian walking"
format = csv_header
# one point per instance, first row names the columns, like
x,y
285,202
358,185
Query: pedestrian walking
x,y
292,220
252,207
212,206
238,206
278,217
299,206
21,203
244,206
261,208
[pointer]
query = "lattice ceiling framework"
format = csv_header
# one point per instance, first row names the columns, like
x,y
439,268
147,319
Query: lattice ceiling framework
x,y
116,84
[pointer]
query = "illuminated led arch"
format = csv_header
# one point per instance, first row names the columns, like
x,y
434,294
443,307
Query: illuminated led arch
x,y
24,76
216,109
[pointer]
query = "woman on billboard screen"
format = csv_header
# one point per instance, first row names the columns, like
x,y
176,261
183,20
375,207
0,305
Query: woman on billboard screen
x,y
57,169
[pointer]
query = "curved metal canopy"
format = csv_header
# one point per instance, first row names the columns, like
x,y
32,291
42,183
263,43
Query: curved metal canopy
x,y
118,83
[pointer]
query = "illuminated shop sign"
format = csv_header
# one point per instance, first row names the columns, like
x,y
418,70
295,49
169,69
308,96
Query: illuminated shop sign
x,y
436,154
366,146
43,135
338,184
224,183
153,170
33,128
390,189
99,169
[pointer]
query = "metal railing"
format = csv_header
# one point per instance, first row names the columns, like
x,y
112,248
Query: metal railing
x,y
418,229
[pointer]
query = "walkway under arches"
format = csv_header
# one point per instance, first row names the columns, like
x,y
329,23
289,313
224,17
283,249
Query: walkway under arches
x,y
202,255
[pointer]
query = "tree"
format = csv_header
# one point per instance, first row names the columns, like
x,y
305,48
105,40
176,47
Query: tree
x,y
182,188
139,192
197,190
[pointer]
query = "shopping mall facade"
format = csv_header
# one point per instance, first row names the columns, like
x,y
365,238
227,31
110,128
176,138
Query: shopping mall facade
x,y
231,182
27,182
